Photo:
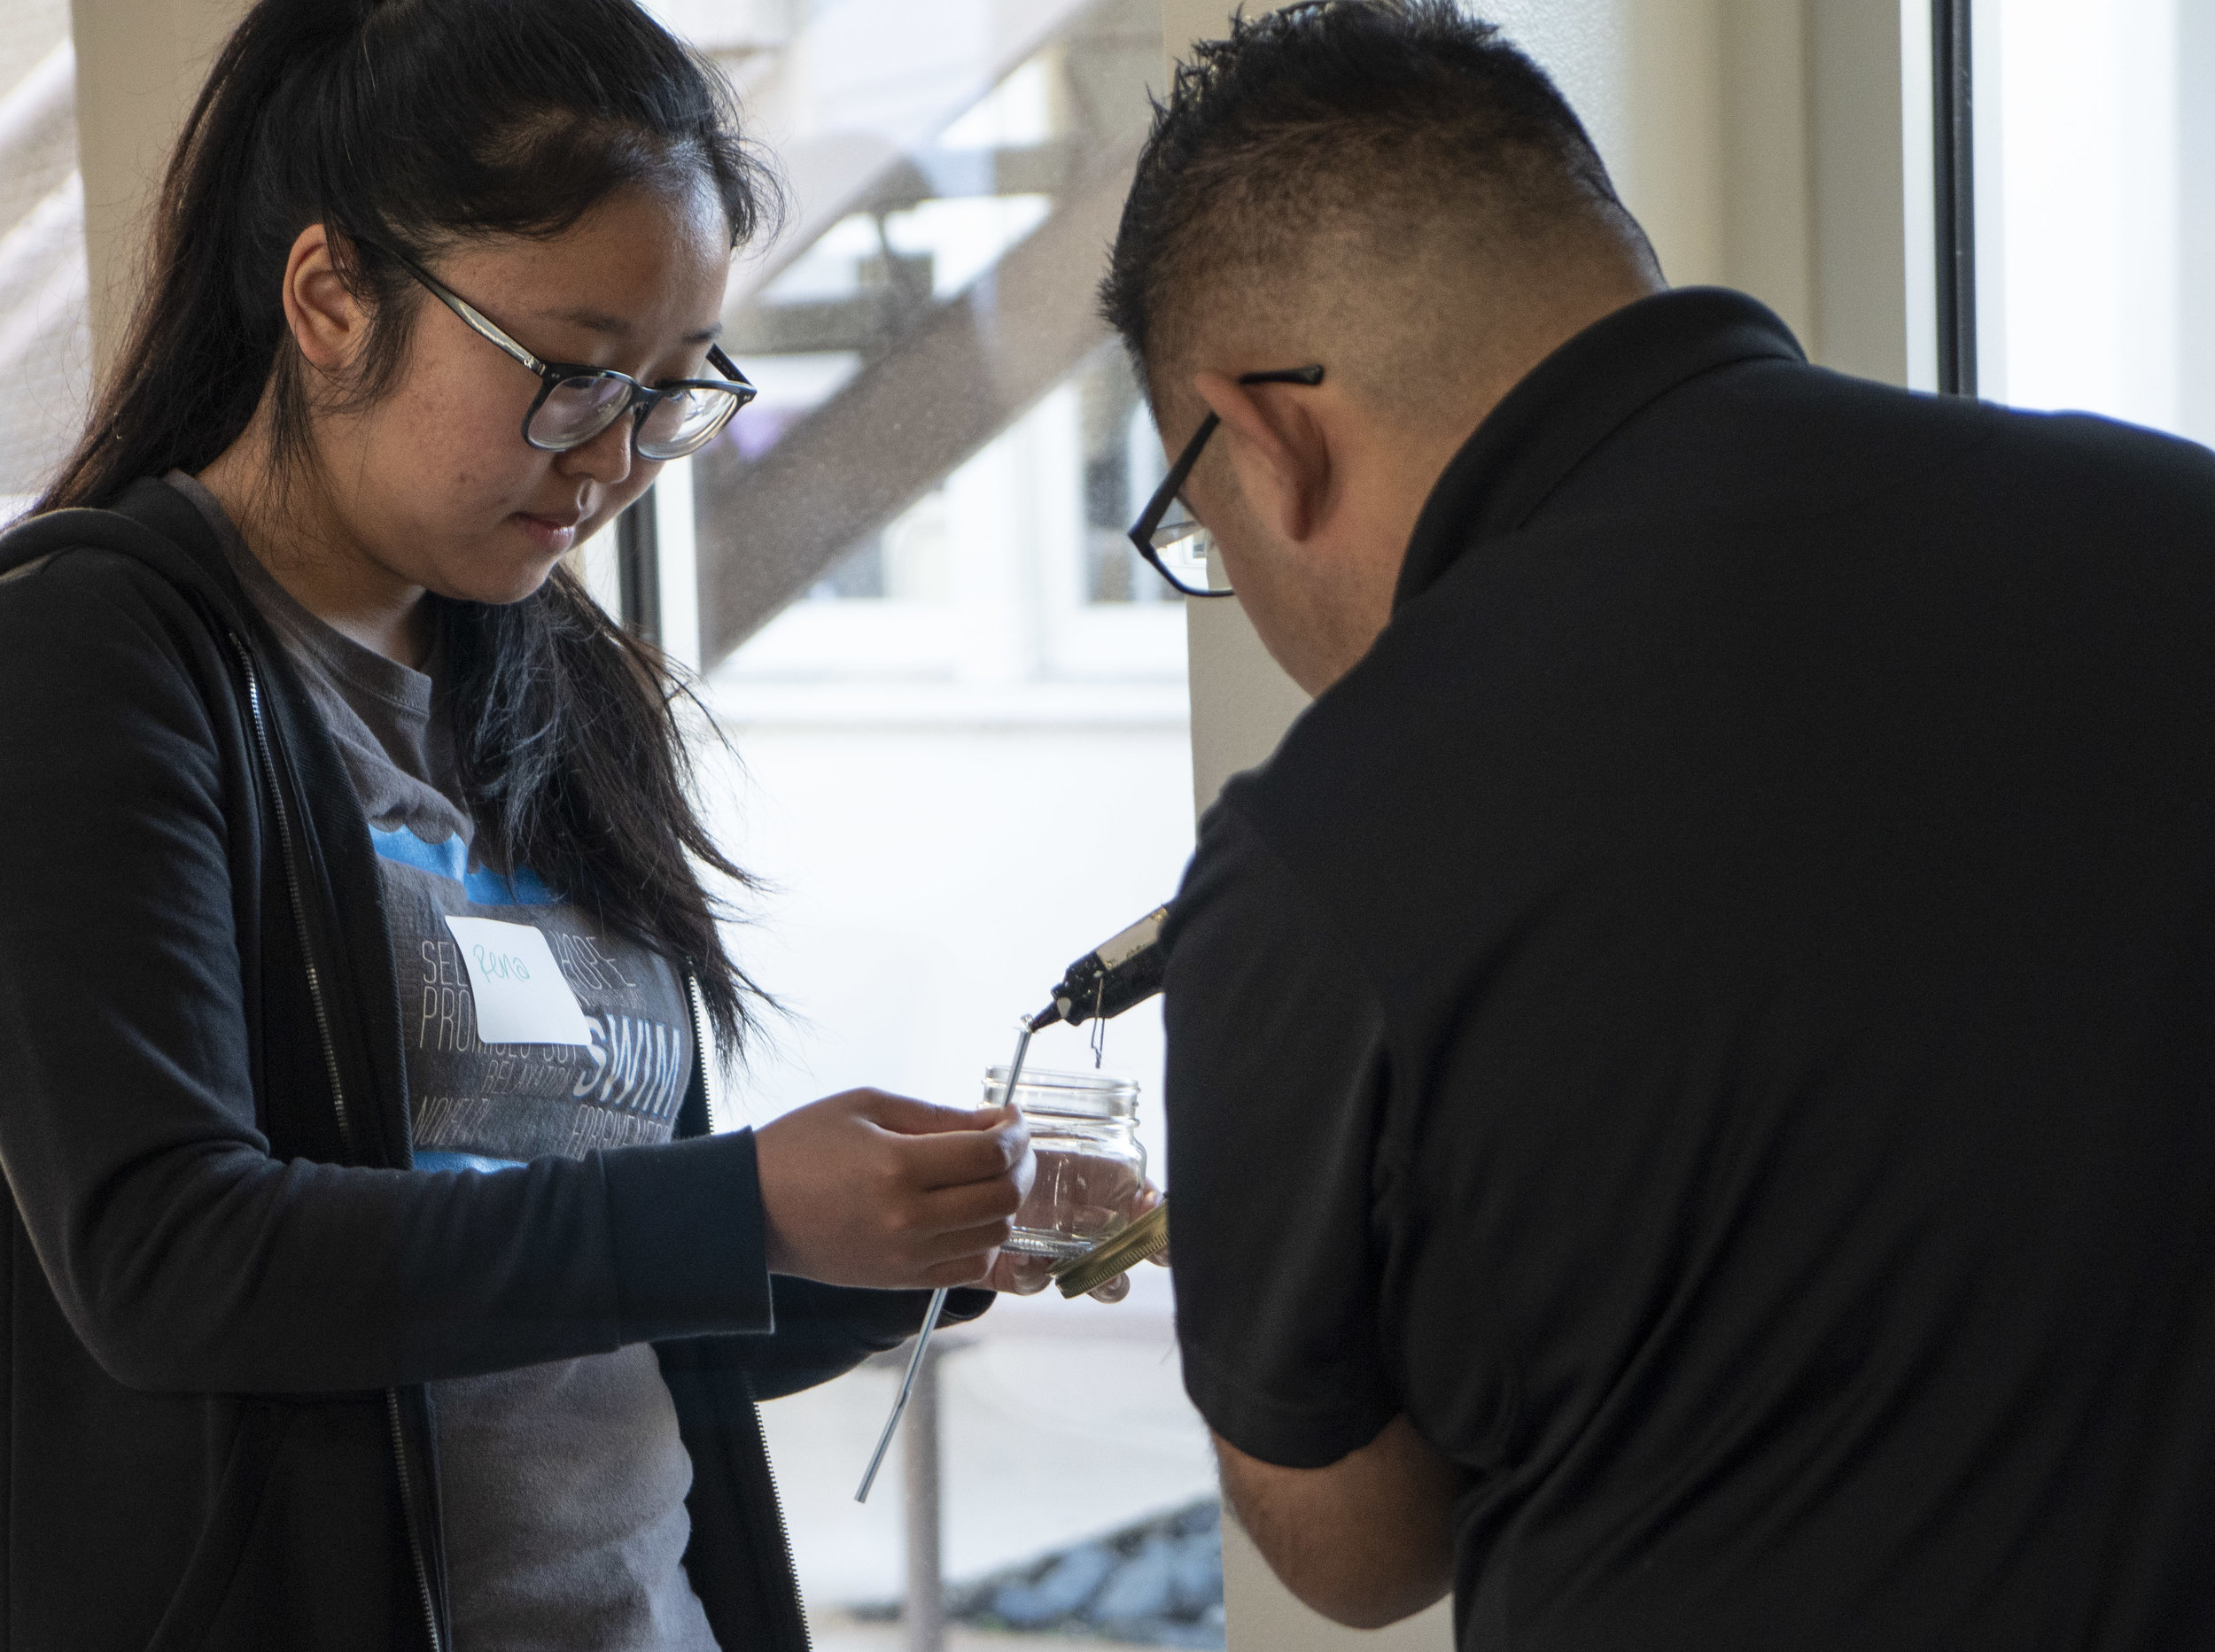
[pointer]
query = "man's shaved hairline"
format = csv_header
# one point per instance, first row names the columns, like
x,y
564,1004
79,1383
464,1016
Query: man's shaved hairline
x,y
1222,283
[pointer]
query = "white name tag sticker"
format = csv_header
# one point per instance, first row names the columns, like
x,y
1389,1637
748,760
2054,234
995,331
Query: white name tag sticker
x,y
521,997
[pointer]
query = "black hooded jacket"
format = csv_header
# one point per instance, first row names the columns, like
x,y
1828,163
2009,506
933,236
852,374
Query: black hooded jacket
x,y
224,1288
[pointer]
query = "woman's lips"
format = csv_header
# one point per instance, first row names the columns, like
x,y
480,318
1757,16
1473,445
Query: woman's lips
x,y
555,534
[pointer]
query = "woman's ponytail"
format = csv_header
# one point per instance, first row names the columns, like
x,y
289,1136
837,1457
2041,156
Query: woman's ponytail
x,y
197,349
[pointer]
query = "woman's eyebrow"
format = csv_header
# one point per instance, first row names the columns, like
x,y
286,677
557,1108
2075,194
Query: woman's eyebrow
x,y
616,327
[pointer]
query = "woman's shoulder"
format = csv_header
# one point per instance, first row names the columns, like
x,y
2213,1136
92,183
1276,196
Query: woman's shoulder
x,y
89,633
59,592
133,566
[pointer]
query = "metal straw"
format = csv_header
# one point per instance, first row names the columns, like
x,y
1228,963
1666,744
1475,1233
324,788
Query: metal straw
x,y
931,1316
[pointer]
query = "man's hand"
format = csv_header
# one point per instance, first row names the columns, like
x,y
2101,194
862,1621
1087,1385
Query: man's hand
x,y
1026,1275
1368,1540
869,1189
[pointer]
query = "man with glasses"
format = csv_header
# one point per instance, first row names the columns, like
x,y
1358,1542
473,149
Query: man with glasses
x,y
1691,1074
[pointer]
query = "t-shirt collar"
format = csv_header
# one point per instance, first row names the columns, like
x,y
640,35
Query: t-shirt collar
x,y
1572,401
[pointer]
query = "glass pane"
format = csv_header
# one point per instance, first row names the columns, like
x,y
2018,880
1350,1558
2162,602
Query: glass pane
x,y
1123,464
958,698
2096,217
859,573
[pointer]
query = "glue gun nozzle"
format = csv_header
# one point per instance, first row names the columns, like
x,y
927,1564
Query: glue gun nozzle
x,y
1044,1017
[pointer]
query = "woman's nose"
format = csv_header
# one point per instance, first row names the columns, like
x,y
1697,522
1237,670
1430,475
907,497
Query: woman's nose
x,y
606,458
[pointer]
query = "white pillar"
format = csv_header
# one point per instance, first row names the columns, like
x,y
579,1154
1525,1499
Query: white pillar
x,y
1875,205
677,557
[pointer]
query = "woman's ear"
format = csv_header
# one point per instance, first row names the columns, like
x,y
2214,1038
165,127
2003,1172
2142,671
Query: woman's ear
x,y
1278,451
328,322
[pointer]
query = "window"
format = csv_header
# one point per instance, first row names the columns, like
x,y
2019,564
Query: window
x,y
2095,130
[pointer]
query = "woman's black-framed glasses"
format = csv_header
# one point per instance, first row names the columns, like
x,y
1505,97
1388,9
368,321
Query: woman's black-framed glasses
x,y
1167,534
577,401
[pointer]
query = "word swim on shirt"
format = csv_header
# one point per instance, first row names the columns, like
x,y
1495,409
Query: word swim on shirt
x,y
475,1102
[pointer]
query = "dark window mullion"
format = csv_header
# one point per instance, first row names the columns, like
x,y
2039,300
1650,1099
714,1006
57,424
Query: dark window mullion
x,y
638,565
1953,158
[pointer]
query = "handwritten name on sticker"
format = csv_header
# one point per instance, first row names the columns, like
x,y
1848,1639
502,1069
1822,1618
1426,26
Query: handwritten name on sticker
x,y
521,997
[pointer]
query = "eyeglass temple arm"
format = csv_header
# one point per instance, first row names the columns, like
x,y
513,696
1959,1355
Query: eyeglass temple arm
x,y
1187,461
727,367
485,328
476,320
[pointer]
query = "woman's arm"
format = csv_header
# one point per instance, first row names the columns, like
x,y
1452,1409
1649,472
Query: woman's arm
x,y
183,1255
824,1331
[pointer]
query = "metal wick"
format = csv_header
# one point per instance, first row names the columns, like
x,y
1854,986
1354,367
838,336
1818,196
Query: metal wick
x,y
931,1316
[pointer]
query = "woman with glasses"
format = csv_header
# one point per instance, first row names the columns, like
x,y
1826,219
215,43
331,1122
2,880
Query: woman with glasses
x,y
374,1280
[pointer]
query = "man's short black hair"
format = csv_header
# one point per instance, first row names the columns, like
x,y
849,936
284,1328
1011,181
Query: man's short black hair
x,y
1345,110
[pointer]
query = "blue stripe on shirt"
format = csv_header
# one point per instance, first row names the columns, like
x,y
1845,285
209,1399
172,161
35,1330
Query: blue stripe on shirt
x,y
427,1160
450,859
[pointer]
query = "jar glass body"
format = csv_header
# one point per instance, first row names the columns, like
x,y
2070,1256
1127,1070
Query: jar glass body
x,y
1084,1130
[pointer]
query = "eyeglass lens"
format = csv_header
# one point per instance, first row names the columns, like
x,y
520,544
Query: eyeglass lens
x,y
683,421
577,409
1185,548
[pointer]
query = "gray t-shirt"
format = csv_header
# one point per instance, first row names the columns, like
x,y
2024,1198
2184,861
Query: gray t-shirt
x,y
563,1485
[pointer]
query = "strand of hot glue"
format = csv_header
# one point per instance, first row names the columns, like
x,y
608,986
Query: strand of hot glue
x,y
930,1315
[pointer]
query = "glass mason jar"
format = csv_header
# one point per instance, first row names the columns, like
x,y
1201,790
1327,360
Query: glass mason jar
x,y
1085,1130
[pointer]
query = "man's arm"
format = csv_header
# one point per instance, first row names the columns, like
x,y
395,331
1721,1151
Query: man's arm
x,y
1366,1541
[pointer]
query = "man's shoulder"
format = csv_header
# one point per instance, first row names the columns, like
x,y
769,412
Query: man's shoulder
x,y
1827,437
1232,858
1518,692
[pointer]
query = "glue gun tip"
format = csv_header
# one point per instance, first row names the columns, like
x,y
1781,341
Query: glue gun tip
x,y
1043,1019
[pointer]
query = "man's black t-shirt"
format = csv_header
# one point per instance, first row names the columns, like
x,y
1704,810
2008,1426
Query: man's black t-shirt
x,y
1714,1018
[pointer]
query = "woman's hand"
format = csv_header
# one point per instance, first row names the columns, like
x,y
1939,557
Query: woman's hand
x,y
1025,1276
870,1189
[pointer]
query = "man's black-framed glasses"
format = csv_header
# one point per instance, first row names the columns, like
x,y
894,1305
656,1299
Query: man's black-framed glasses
x,y
576,401
1167,534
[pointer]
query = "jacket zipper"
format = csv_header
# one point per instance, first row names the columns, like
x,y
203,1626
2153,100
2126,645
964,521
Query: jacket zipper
x,y
700,1047
290,855
700,1044
408,1510
784,1534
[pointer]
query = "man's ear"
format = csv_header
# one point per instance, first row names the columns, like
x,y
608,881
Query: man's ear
x,y
1278,451
328,322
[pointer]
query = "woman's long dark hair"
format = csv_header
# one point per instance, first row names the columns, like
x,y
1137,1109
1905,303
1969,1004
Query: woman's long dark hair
x,y
412,126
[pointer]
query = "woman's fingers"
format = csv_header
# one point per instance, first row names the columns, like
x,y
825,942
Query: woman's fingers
x,y
870,1189
957,1157
1149,1196
907,1116
967,1270
975,1244
1015,1274
943,1210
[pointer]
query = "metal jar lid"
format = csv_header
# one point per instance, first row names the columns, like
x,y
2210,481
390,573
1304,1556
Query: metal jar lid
x,y
1119,1253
